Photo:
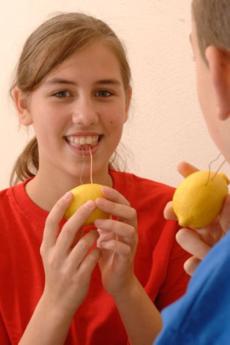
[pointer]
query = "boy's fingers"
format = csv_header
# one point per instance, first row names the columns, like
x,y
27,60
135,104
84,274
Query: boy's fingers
x,y
191,242
186,169
225,215
191,265
168,212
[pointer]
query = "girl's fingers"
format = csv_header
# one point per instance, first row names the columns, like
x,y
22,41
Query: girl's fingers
x,y
72,227
124,212
81,250
186,169
105,235
113,195
191,242
53,220
115,246
123,230
88,264
191,265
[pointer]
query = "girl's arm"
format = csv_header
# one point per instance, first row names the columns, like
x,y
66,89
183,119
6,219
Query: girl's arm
x,y
118,241
141,318
47,326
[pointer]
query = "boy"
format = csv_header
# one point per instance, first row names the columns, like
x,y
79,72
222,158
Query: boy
x,y
202,315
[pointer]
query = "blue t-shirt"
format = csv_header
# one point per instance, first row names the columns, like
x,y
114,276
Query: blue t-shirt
x,y
202,315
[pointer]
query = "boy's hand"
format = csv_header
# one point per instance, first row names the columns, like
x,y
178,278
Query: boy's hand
x,y
198,242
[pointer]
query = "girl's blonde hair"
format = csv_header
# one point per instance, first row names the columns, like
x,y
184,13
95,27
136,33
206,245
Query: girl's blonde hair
x,y
48,46
212,18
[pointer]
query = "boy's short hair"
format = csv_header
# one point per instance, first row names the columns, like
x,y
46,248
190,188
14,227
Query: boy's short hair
x,y
212,18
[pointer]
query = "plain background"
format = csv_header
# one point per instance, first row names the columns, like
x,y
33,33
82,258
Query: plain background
x,y
165,124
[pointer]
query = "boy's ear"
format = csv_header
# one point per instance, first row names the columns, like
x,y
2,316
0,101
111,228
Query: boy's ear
x,y
219,68
21,103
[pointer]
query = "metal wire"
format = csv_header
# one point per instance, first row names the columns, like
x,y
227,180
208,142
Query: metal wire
x,y
218,169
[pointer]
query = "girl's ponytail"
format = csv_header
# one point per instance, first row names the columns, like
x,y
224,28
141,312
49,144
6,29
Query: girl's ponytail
x,y
26,165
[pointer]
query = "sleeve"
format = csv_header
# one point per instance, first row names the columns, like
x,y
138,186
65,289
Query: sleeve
x,y
4,339
202,315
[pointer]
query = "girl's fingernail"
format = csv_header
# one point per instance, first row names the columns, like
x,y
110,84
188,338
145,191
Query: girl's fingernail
x,y
98,223
99,244
90,204
105,190
68,196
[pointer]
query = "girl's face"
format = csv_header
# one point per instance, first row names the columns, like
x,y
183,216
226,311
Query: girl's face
x,y
79,107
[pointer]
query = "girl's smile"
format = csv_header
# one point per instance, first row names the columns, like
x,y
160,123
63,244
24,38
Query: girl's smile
x,y
83,143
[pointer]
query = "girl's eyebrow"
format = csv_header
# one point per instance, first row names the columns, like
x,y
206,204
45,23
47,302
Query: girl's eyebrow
x,y
60,81
71,82
108,82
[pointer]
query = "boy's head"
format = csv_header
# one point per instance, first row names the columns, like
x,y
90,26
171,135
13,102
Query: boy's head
x,y
210,39
212,18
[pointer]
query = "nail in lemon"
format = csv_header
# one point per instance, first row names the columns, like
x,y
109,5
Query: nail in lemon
x,y
83,193
199,198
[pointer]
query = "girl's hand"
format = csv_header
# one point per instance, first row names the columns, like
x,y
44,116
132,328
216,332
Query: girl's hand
x,y
198,242
117,241
68,257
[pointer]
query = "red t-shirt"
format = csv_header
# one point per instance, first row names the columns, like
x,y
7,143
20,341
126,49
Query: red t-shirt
x,y
158,263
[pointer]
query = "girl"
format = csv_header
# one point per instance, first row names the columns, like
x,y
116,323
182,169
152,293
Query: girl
x,y
96,287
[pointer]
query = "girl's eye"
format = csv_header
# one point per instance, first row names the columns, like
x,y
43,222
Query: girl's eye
x,y
103,93
62,94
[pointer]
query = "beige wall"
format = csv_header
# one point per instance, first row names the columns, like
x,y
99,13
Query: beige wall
x,y
165,125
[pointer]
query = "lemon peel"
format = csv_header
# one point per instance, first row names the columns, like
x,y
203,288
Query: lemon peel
x,y
82,194
199,198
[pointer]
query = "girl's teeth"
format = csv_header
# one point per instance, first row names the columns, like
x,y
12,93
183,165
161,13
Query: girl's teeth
x,y
89,140
82,141
86,140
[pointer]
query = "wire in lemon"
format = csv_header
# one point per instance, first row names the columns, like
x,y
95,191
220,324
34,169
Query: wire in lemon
x,y
199,198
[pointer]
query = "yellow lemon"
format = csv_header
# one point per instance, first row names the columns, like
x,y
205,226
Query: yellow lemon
x,y
83,193
199,198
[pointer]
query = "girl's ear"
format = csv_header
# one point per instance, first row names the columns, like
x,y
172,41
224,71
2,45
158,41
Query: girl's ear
x,y
21,103
219,68
128,101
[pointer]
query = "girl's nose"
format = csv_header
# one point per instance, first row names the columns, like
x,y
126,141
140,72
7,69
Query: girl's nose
x,y
85,114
